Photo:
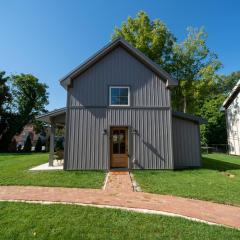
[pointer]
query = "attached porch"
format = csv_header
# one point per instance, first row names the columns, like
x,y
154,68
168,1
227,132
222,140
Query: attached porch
x,y
56,119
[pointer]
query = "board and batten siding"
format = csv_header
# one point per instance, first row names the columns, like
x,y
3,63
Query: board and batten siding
x,y
186,143
148,118
149,143
91,88
233,126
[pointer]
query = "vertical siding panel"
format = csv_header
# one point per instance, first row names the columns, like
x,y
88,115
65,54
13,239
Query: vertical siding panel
x,y
186,145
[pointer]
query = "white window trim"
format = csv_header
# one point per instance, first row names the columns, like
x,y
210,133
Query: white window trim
x,y
119,105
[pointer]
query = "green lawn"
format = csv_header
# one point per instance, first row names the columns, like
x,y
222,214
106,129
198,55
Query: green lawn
x,y
218,180
51,222
14,170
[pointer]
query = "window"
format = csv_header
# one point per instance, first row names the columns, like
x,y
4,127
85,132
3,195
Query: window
x,y
119,96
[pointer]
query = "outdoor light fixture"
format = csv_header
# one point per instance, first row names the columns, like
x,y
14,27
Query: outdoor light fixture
x,y
134,131
104,132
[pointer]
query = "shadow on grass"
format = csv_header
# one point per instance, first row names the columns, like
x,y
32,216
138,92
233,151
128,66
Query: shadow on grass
x,y
213,164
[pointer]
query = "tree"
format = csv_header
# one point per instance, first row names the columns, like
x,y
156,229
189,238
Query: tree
x,y
151,37
5,99
195,68
225,84
28,144
215,131
5,95
38,146
29,98
190,61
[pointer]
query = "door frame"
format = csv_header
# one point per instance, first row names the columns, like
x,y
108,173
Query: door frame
x,y
110,142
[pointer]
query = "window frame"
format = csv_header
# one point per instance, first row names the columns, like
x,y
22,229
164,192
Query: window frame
x,y
118,105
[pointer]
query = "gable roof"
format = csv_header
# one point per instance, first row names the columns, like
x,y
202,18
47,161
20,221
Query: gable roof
x,y
232,95
66,80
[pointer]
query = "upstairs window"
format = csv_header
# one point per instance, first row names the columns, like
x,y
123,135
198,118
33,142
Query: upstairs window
x,y
119,96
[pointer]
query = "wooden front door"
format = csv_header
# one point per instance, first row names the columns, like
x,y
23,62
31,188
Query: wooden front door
x,y
119,147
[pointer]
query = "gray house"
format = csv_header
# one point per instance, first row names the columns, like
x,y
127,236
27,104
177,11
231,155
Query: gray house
x,y
119,115
232,110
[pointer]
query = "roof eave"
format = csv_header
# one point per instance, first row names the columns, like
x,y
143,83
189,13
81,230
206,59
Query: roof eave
x,y
232,95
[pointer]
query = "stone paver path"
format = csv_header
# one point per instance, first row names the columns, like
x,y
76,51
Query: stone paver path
x,y
122,195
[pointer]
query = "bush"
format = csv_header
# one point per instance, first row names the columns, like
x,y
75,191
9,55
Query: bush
x,y
59,148
38,146
59,154
59,144
28,144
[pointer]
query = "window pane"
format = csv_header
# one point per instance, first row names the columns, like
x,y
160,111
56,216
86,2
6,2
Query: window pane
x,y
122,148
114,92
124,100
121,137
115,138
123,92
115,148
115,101
119,96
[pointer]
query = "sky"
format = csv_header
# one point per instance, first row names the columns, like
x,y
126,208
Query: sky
x,y
49,38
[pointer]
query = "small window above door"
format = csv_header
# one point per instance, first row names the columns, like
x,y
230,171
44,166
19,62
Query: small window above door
x,y
119,96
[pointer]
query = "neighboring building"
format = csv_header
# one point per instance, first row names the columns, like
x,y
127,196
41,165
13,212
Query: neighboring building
x,y
29,130
232,109
119,115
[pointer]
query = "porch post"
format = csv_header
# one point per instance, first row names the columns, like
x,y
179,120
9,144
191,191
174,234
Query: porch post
x,y
51,150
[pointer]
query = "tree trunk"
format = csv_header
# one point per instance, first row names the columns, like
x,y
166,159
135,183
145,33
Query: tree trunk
x,y
184,104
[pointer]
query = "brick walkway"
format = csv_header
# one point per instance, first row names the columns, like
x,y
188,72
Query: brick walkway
x,y
119,182
118,192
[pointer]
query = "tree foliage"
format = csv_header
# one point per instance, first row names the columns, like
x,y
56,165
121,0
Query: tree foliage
x,y
28,99
28,144
5,99
38,146
215,131
5,95
151,37
225,83
195,69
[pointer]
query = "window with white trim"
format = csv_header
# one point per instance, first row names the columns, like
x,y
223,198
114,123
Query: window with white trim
x,y
119,96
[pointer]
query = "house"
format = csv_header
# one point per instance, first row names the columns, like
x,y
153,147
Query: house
x,y
119,115
28,129
232,109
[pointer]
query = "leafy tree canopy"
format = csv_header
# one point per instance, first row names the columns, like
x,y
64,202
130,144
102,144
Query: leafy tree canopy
x,y
29,98
151,37
5,95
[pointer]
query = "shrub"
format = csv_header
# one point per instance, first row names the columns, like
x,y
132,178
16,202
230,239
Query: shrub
x,y
28,144
59,148
38,146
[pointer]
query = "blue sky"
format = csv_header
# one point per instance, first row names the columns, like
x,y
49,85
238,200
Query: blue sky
x,y
48,38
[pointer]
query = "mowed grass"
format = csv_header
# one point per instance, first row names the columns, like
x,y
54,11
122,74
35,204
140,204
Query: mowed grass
x,y
14,170
217,181
51,222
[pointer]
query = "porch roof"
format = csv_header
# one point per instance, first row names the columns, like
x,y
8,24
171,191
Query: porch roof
x,y
56,116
